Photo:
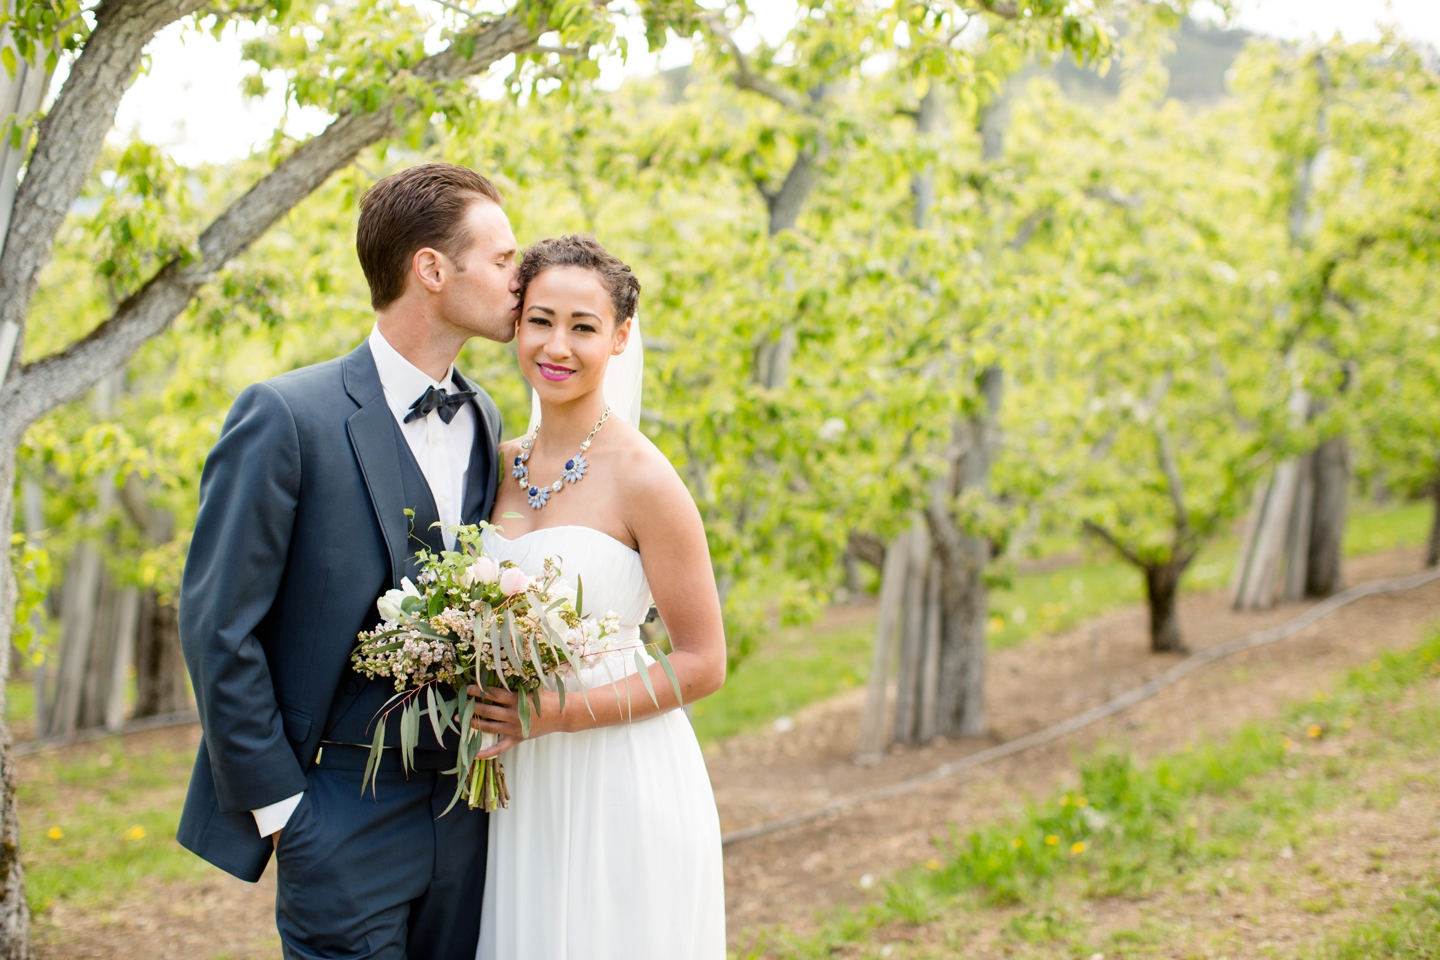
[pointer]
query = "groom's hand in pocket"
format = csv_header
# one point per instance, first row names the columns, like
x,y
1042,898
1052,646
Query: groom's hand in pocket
x,y
499,713
275,839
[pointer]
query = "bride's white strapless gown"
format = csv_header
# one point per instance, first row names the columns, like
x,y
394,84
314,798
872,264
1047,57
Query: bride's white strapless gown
x,y
610,847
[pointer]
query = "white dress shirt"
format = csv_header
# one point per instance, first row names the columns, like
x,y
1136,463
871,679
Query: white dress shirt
x,y
443,452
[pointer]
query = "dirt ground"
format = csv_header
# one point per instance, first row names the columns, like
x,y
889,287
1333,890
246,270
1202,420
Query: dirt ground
x,y
791,877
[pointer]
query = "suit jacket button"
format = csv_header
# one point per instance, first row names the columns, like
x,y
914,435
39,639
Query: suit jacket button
x,y
351,687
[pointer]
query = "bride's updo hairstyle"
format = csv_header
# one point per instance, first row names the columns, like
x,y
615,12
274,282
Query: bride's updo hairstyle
x,y
581,250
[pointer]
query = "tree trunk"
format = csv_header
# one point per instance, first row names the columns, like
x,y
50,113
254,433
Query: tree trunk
x,y
922,184
1324,570
890,616
961,700
14,910
78,609
160,686
1301,530
102,651
1162,585
1261,554
934,620
912,637
964,557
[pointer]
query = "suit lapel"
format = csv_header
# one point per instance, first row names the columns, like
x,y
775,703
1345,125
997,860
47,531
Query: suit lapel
x,y
372,436
484,460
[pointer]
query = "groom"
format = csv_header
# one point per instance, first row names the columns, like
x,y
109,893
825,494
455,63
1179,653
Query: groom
x,y
303,523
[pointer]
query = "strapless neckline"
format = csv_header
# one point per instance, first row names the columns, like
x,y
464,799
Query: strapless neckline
x,y
565,526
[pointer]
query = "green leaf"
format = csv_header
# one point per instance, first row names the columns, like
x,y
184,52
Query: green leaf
x,y
496,643
433,709
524,706
664,659
372,762
579,595
409,733
645,677
512,652
412,605
560,690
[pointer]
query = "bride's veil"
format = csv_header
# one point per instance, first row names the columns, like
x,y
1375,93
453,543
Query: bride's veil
x,y
624,378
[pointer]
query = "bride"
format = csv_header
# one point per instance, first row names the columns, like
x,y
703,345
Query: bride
x,y
611,846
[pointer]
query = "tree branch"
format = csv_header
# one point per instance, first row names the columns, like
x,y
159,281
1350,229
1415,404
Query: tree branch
x,y
1172,477
1099,531
745,76
61,377
70,138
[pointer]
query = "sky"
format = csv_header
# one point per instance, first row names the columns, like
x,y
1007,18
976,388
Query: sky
x,y
190,100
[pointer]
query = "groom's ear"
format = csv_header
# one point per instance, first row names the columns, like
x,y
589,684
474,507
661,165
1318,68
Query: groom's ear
x,y
429,268
622,337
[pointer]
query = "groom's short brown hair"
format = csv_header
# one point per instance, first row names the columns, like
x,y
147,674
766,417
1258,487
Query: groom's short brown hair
x,y
423,206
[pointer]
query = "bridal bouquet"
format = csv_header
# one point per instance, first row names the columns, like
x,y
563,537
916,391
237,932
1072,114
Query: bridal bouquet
x,y
471,620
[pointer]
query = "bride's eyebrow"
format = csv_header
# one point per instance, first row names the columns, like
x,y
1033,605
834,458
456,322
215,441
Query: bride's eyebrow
x,y
536,306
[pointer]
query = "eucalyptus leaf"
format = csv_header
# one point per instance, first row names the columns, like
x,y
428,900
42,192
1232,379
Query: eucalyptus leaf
x,y
644,672
664,659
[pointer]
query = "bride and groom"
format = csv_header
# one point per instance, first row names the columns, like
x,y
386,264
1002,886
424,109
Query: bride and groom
x,y
323,485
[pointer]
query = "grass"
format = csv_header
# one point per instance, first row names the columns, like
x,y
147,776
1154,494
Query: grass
x,y
1409,929
19,702
98,822
803,665
1127,830
800,667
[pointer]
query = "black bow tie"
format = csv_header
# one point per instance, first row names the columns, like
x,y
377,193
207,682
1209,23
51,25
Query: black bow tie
x,y
447,404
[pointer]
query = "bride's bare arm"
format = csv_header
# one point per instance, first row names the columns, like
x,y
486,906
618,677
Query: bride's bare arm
x,y
666,525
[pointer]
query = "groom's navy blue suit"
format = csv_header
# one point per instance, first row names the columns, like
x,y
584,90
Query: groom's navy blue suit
x,y
302,525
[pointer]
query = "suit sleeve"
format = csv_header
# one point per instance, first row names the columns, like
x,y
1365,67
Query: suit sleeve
x,y
248,496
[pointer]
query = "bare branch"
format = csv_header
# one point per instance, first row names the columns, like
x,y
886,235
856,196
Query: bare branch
x,y
1172,476
745,76
1004,9
70,138
455,7
59,378
1130,201
784,205
1099,531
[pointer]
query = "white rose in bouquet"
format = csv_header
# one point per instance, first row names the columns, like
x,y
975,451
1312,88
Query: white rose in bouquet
x,y
390,600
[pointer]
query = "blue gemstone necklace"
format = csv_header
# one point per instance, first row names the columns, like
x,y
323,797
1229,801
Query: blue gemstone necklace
x,y
575,468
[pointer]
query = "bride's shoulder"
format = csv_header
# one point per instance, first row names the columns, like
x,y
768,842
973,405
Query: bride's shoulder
x,y
645,470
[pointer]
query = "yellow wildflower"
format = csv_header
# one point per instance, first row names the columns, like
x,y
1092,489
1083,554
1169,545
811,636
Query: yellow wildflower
x,y
1313,731
932,864
1051,840
136,832
1077,848
1081,801
55,833
1017,843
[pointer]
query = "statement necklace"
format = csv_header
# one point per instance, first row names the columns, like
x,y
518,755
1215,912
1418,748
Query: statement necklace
x,y
575,468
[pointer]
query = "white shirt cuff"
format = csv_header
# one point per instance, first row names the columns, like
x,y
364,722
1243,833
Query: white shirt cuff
x,y
276,815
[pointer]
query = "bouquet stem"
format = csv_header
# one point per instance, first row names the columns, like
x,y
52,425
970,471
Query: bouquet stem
x,y
487,785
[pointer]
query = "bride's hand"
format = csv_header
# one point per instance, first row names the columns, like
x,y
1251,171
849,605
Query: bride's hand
x,y
499,713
